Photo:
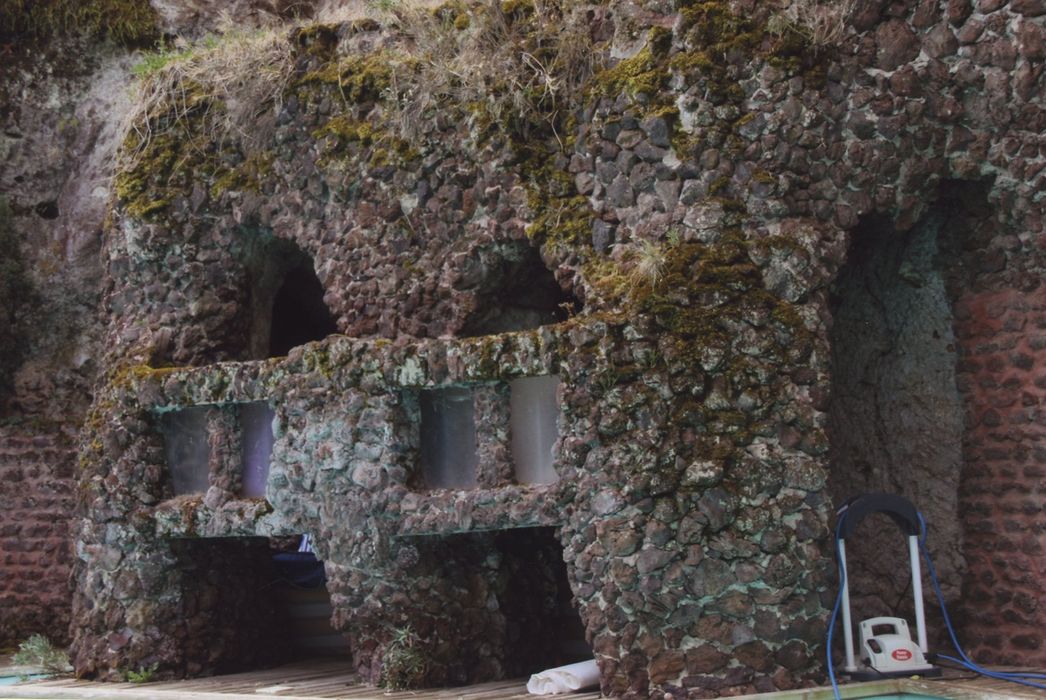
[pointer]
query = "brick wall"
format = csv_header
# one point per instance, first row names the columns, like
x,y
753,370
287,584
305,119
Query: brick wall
x,y
1002,375
36,505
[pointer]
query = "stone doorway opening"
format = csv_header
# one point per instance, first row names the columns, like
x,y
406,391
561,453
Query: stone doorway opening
x,y
299,314
515,291
895,421
495,605
252,603
287,306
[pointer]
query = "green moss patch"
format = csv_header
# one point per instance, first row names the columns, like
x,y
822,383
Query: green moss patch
x,y
357,78
124,21
167,155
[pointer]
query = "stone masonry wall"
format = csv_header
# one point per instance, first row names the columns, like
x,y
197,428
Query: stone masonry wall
x,y
36,497
61,102
696,199
1002,494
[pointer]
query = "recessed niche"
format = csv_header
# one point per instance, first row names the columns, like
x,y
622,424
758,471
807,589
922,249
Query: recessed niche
x,y
515,291
299,314
448,439
256,441
188,451
534,412
287,307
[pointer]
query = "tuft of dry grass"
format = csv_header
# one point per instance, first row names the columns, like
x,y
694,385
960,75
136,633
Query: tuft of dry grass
x,y
512,65
822,23
124,21
237,79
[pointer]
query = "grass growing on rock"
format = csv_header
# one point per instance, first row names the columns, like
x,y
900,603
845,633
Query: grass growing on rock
x,y
203,112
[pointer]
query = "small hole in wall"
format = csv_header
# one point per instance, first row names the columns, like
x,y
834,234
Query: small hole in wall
x,y
448,439
299,314
47,210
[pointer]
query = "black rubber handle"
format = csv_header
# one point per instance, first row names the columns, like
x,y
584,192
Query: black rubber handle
x,y
900,510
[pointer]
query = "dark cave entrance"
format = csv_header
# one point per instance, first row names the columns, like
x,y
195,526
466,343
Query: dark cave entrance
x,y
251,603
516,291
287,304
299,314
896,417
505,606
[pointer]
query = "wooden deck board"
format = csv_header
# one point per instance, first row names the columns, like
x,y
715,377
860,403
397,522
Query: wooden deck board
x,y
327,679
333,679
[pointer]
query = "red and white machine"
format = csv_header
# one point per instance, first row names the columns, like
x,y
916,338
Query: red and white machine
x,y
887,648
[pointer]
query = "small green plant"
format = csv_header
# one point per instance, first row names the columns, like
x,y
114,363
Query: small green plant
x,y
384,5
40,652
403,665
142,675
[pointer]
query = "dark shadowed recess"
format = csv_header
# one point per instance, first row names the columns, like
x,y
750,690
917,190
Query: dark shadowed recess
x,y
286,299
264,601
895,421
515,291
505,591
299,314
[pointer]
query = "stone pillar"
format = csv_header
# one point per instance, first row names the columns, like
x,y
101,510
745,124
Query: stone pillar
x,y
1003,378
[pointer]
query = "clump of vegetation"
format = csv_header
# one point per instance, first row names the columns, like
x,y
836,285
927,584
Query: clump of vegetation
x,y
403,664
142,675
236,78
40,652
513,63
124,21
649,265
16,293
202,109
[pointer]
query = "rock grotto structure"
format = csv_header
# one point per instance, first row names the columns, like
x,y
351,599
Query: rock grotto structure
x,y
740,260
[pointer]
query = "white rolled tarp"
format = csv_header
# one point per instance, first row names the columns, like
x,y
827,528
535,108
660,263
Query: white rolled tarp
x,y
565,679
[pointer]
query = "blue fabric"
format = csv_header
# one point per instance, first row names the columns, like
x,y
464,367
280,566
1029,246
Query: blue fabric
x,y
300,569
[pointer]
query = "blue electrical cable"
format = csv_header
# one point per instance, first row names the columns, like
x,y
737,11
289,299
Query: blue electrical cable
x,y
966,661
838,602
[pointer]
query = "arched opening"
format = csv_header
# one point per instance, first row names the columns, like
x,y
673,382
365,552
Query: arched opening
x,y
299,314
895,421
286,299
252,603
495,605
515,291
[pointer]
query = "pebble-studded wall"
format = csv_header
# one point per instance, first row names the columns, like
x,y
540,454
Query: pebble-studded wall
x,y
683,221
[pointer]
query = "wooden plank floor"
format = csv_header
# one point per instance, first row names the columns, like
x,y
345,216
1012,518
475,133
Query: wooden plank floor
x,y
327,678
331,679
